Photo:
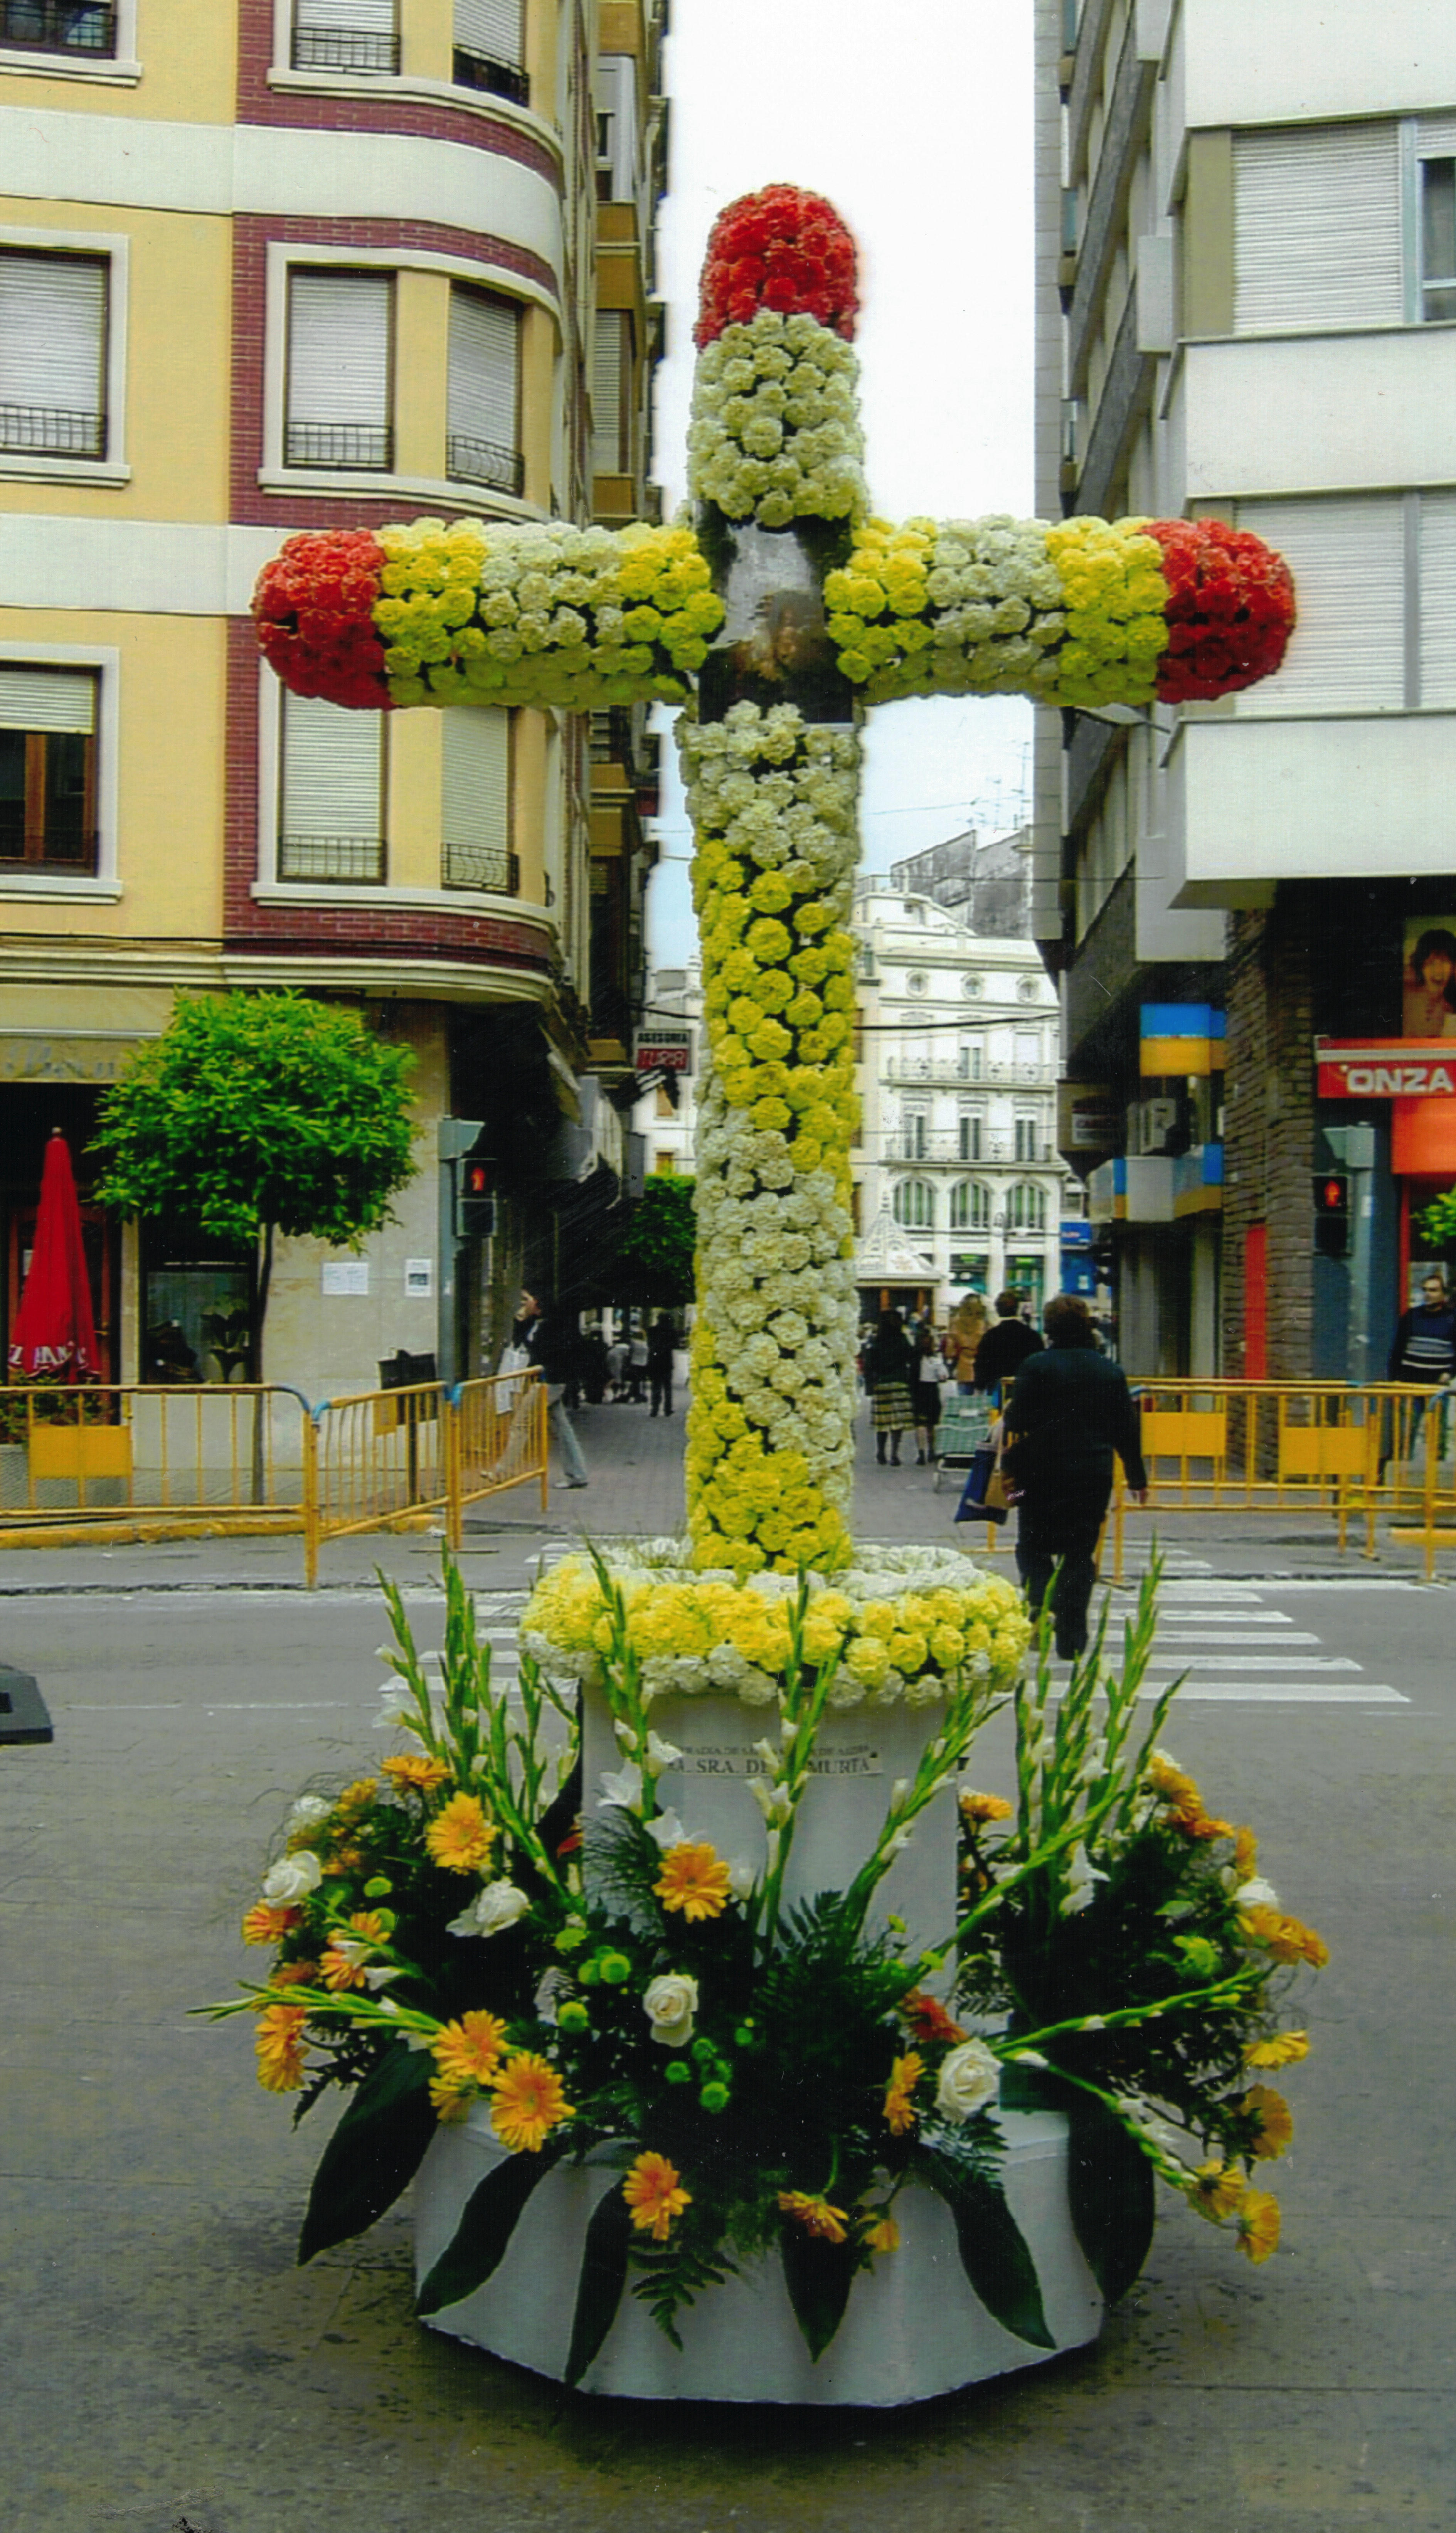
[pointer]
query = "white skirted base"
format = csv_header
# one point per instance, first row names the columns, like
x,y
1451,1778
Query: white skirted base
x,y
914,2326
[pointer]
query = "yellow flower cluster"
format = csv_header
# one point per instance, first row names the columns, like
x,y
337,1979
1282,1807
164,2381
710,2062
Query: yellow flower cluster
x,y
706,1634
546,613
1072,614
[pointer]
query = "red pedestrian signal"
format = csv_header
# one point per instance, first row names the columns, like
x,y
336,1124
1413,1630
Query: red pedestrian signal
x,y
1331,1193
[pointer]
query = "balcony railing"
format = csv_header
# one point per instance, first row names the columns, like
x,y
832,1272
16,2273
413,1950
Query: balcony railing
x,y
942,1145
485,462
344,48
350,861
85,27
495,78
933,1068
483,866
354,445
40,431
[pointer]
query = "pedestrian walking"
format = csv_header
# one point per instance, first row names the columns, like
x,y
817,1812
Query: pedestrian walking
x,y
550,1346
1423,1350
636,1365
962,1337
659,1364
1005,1347
889,1373
932,1374
1070,1413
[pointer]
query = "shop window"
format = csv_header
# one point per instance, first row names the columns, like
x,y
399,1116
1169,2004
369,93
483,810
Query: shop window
x,y
339,398
196,1306
53,322
49,770
483,426
331,793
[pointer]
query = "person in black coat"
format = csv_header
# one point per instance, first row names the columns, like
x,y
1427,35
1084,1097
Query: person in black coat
x,y
1070,1412
1005,1347
660,1346
550,1344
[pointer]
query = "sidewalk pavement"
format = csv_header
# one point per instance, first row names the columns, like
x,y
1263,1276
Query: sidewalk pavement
x,y
636,1487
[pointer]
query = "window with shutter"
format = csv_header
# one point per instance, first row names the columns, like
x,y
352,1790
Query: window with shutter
x,y
339,402
611,453
490,48
47,769
52,354
1317,227
1347,652
345,36
80,28
475,801
1439,599
483,426
332,793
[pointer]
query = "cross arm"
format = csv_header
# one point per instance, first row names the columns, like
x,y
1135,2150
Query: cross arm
x,y
446,613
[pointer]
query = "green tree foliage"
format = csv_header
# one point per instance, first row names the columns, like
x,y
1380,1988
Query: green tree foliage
x,y
654,1263
1437,1224
258,1113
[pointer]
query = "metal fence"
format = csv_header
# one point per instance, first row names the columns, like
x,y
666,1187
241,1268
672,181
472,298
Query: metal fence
x,y
390,1454
146,1448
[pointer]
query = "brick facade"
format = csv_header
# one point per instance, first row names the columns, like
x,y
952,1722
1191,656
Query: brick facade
x,y
1269,1130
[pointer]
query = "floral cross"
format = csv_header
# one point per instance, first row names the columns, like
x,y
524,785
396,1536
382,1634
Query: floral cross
x,y
774,617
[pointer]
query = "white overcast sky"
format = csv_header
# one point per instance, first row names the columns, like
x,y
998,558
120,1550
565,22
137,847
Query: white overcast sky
x,y
915,120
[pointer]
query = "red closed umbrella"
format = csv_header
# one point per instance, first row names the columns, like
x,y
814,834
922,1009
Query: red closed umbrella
x,y
54,1330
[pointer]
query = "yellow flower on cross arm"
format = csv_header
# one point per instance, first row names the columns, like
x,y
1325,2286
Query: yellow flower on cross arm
x,y
1215,2190
468,2052
1281,2049
461,1838
416,1772
814,2212
1275,2121
905,2075
1258,2224
654,2193
695,1879
529,2102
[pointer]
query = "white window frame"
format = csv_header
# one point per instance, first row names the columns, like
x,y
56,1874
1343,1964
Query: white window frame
x,y
17,466
349,73
1023,1197
103,660
285,256
925,1188
120,68
979,1207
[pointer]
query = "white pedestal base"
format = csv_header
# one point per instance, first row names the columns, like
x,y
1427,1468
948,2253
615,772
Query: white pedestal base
x,y
914,2328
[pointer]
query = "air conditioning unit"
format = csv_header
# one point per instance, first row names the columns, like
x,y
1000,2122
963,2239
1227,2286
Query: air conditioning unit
x,y
1161,1127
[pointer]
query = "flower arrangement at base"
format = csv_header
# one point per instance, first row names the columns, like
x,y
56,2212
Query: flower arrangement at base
x,y
753,2077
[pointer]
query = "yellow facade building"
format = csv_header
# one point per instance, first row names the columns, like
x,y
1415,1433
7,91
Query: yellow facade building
x,y
296,264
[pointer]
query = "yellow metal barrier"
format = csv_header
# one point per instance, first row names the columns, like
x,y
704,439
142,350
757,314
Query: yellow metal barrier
x,y
216,1450
1249,1446
391,1455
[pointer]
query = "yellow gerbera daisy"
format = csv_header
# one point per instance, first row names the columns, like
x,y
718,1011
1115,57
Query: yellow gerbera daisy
x,y
814,2212
468,2052
266,1924
652,2191
278,2041
1275,2121
1281,2049
361,1796
1258,2224
905,2075
449,2102
977,1807
461,1838
293,1975
883,2235
416,1772
529,2102
1215,2190
694,1879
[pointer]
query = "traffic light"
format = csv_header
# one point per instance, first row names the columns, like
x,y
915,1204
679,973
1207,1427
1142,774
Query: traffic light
x,y
1331,1192
475,1205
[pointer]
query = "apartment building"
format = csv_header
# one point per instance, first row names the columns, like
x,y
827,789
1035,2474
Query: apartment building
x,y
1246,308
280,265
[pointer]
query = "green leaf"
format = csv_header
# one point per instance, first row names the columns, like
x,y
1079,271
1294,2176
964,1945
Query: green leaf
x,y
487,2223
374,2151
818,2276
1110,2190
993,2248
604,2274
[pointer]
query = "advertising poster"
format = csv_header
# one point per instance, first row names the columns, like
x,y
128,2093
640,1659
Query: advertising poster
x,y
1429,983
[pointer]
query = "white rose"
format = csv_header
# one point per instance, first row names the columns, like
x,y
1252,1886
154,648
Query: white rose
x,y
292,1878
308,1812
498,1906
968,2078
1257,1893
670,2003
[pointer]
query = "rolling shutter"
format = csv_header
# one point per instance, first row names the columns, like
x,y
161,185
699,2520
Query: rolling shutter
x,y
53,353
484,391
608,379
1317,227
344,17
47,699
1347,652
338,367
1438,598
475,799
331,823
491,27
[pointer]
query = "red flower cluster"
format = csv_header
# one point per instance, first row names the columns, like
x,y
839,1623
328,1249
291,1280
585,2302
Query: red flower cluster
x,y
1230,611
313,607
780,248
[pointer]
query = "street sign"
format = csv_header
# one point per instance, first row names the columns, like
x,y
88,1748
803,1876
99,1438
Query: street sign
x,y
663,1050
1385,1068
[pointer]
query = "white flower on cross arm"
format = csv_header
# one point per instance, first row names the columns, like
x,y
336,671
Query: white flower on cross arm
x,y
498,1906
670,2003
621,1789
969,2078
292,1878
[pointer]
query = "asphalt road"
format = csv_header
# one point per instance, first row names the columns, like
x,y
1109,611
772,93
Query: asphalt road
x,y
164,2362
